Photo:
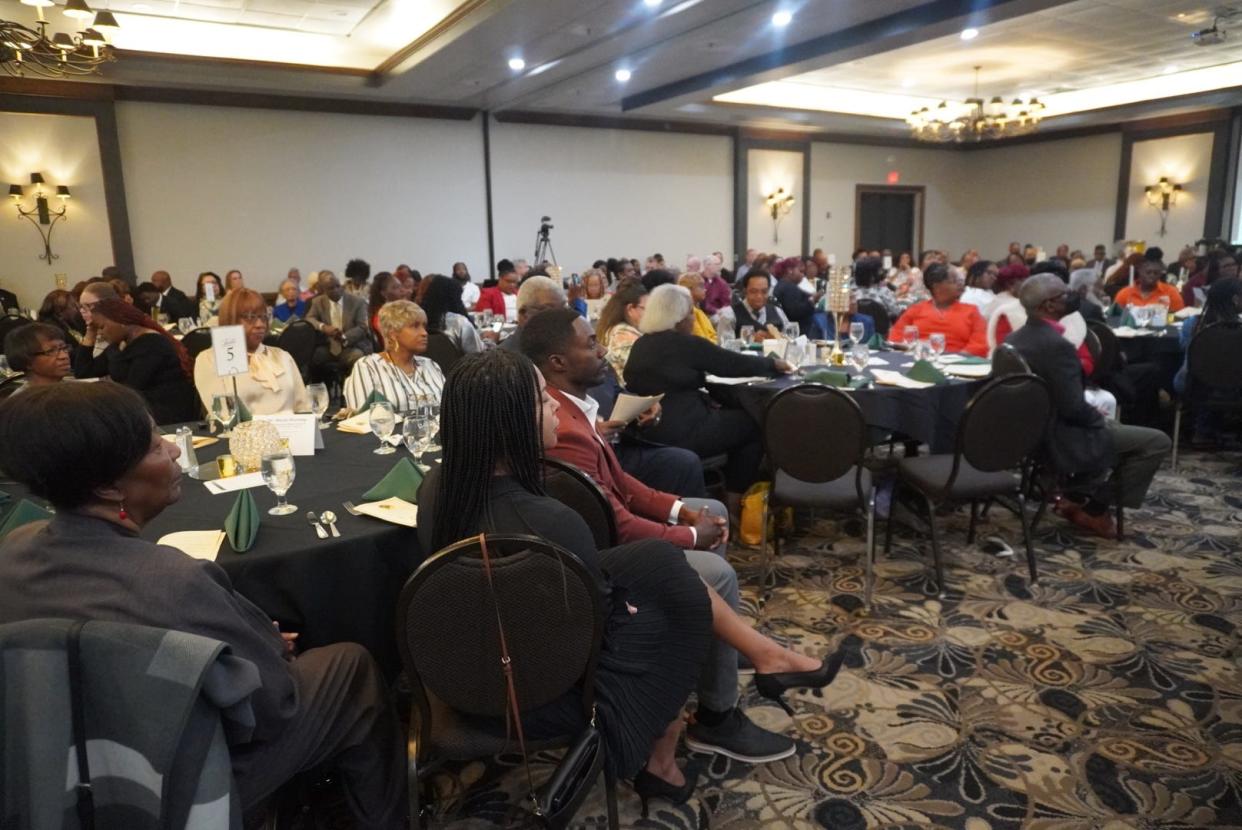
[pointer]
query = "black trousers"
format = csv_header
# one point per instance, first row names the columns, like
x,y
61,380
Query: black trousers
x,y
667,469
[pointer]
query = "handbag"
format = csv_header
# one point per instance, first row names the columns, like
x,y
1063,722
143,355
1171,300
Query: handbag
x,y
553,805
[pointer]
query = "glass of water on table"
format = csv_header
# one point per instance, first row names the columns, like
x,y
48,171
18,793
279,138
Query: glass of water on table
x,y
383,421
278,473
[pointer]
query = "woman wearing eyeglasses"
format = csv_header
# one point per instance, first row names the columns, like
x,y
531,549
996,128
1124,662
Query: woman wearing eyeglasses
x,y
40,351
274,382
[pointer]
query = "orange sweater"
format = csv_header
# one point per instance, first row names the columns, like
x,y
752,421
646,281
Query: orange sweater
x,y
1131,295
961,324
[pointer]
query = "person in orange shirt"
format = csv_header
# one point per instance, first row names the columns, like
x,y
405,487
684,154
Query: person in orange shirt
x,y
961,324
1149,289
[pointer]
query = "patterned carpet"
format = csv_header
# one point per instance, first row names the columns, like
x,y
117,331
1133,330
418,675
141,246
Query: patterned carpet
x,y
1108,696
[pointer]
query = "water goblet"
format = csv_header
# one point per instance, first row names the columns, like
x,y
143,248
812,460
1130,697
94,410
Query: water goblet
x,y
936,343
791,331
860,356
747,333
415,433
278,473
857,330
224,409
910,336
383,421
429,410
318,394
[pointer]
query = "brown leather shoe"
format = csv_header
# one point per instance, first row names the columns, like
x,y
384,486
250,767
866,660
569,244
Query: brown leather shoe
x,y
1102,525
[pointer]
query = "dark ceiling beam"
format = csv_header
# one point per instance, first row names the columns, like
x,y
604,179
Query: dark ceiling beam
x,y
652,125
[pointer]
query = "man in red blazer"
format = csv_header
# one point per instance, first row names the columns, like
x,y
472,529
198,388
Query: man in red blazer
x,y
501,299
563,345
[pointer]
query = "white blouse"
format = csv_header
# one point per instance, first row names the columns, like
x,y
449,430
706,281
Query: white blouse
x,y
375,372
274,383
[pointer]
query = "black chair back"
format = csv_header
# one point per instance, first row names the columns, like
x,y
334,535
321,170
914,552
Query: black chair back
x,y
299,339
10,385
1003,424
876,311
10,322
577,491
442,349
197,341
1109,359
447,631
1007,361
814,432
1212,357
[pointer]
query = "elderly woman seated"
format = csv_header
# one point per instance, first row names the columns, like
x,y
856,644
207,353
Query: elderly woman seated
x,y
398,372
40,351
274,383
92,450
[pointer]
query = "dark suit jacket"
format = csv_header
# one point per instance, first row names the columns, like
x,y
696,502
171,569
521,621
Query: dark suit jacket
x,y
177,305
1077,440
354,321
7,300
797,304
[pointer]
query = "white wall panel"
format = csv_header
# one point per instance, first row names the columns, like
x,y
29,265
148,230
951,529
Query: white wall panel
x,y
1184,159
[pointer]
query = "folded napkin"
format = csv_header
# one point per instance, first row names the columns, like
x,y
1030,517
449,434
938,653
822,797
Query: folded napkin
x,y
395,510
22,513
243,413
242,523
375,397
1127,319
926,373
841,380
876,342
402,482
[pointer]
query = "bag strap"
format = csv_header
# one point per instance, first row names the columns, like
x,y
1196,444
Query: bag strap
x,y
86,799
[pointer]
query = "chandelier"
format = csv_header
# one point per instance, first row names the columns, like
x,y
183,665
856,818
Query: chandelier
x,y
26,51
975,120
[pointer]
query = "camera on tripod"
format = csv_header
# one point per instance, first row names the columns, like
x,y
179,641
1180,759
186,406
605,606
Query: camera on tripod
x,y
543,242
546,224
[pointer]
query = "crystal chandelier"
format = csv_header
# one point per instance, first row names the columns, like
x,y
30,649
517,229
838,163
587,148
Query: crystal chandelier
x,y
25,51
975,120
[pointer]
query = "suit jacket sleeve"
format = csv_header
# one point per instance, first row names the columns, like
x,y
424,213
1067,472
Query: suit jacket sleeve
x,y
1064,375
318,315
354,321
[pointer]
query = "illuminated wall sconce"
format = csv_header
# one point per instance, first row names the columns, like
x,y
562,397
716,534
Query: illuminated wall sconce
x,y
779,203
1162,195
41,215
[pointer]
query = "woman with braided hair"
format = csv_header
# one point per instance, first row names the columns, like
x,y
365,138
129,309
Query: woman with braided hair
x,y
496,420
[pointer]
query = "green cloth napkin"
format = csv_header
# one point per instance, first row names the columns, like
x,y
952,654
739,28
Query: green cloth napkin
x,y
1127,319
243,413
876,342
402,481
924,372
242,523
375,397
841,380
971,360
22,513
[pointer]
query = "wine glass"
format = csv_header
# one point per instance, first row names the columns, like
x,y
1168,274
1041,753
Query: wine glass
x,y
278,474
318,394
860,356
857,330
936,342
791,331
747,333
383,421
910,335
416,433
429,410
186,325
224,409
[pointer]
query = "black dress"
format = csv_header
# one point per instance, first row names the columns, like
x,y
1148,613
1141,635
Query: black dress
x,y
151,367
650,660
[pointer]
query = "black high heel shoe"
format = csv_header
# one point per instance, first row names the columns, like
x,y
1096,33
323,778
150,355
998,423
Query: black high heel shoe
x,y
774,686
650,786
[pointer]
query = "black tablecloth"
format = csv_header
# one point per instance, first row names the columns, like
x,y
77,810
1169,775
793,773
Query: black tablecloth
x,y
329,590
928,415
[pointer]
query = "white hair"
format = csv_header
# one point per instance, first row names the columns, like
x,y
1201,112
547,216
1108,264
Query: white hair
x,y
535,287
667,305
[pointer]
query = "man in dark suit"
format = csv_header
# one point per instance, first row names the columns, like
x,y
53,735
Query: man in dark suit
x,y
1080,444
173,300
342,319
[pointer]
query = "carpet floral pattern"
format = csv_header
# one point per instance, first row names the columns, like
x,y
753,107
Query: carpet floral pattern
x,y
1108,695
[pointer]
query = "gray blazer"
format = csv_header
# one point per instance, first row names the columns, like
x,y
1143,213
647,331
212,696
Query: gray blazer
x,y
354,321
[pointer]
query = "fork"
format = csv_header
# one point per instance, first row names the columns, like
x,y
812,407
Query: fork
x,y
349,507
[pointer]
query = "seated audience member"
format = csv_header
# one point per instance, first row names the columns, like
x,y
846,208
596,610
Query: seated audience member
x,y
719,295
1085,284
1223,305
469,288
172,300
980,277
1220,265
446,314
907,281
501,299
702,323
312,287
496,421
385,288
654,277
342,319
1150,289
207,296
756,308
961,324
94,345
1081,445
669,360
1123,273
233,280
399,372
798,306
40,351
409,279
869,280
59,309
538,293
617,329
357,275
273,384
290,305
326,706
147,299
144,357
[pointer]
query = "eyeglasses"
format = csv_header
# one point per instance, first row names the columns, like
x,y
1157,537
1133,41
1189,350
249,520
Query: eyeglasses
x,y
63,348
253,316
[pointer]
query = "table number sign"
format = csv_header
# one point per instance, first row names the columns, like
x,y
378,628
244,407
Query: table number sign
x,y
228,344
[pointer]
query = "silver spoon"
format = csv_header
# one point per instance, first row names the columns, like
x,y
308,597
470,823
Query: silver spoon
x,y
310,517
329,518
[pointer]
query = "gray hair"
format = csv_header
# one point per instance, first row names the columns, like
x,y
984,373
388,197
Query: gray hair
x,y
398,314
535,288
667,306
1085,278
1039,289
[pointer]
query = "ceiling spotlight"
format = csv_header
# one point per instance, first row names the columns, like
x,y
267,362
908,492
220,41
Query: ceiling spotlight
x,y
517,64
970,34
782,18
651,4
623,75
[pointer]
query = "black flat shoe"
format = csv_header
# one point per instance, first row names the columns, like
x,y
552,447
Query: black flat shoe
x,y
649,786
774,686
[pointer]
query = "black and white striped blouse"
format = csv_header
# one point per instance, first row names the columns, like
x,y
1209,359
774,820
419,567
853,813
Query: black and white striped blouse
x,y
403,391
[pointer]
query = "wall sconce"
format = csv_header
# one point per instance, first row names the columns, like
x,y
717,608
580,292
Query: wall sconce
x,y
41,215
1162,195
779,203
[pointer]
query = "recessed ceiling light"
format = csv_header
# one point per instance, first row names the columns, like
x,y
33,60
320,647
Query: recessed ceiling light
x,y
782,18
970,34
651,4
623,75
517,64
1169,70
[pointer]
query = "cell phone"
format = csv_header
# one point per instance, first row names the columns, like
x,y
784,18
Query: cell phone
x,y
575,279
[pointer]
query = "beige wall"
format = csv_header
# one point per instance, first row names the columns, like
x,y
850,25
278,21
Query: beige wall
x,y
768,171
1184,159
65,150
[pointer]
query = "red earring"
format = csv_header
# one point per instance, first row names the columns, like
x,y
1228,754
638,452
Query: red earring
x,y
122,514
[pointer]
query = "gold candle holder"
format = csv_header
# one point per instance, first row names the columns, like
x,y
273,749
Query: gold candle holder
x,y
840,290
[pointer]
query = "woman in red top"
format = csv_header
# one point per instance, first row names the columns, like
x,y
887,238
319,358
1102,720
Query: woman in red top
x,y
961,323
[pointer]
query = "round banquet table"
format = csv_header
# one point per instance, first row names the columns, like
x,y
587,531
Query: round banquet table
x,y
329,590
928,415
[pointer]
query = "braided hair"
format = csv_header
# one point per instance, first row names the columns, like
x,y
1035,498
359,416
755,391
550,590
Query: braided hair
x,y
490,414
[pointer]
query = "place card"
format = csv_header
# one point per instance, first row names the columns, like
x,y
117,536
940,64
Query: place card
x,y
395,510
234,483
301,431
228,345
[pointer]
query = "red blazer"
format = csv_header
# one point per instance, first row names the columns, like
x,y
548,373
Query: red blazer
x,y
642,513
491,298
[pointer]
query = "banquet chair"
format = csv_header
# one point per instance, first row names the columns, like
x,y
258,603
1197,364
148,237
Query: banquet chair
x,y
878,313
1213,374
299,339
448,636
577,491
1007,361
442,349
811,472
986,462
197,341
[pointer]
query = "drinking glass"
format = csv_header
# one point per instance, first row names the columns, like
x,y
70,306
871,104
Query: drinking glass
x,y
383,421
489,317
278,474
936,342
747,333
428,409
860,355
857,330
791,331
186,325
224,409
318,394
416,433
735,344
910,336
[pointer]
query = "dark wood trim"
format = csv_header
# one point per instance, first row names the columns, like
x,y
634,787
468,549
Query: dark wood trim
x,y
378,75
741,191
295,103
1214,209
1229,215
56,89
1178,121
1123,188
487,191
806,201
920,194
557,119
741,184
241,63
1041,137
